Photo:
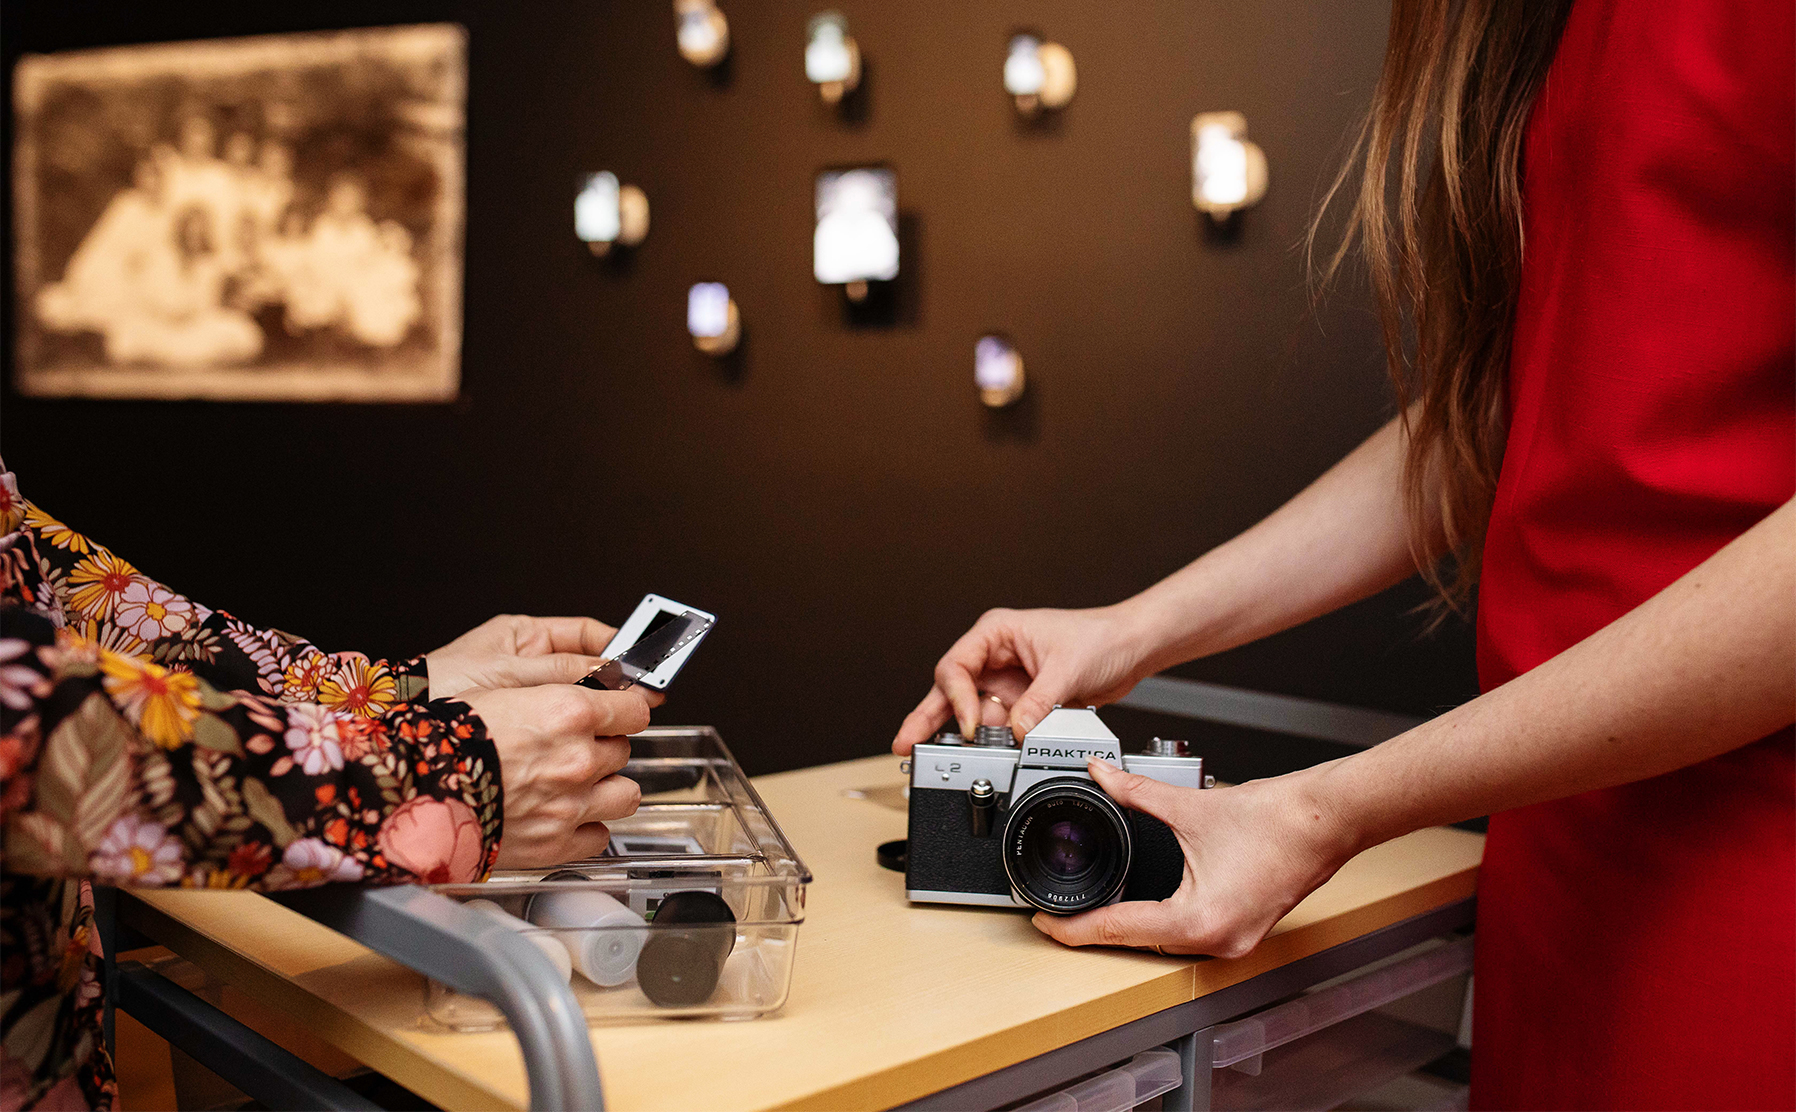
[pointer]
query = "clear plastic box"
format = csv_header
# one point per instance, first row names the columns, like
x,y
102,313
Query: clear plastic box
x,y
692,911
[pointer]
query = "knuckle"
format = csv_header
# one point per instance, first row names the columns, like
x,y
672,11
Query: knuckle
x,y
632,715
586,766
567,712
609,755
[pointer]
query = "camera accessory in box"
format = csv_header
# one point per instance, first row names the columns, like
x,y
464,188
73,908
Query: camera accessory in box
x,y
692,911
1001,825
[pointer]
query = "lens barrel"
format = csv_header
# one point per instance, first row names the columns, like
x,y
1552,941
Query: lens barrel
x,y
1066,846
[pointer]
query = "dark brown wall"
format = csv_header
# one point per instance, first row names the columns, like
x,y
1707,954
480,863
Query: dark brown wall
x,y
836,493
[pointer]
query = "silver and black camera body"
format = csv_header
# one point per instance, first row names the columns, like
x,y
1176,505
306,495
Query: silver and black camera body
x,y
997,824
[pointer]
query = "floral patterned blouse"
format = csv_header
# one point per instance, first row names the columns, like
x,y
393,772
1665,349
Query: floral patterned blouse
x,y
148,740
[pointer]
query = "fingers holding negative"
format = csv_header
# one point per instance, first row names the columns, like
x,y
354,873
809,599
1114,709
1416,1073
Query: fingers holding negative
x,y
606,713
587,636
614,797
1124,924
530,671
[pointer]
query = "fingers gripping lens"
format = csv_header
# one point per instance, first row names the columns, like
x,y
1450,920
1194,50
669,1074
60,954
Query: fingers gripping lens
x,y
1066,846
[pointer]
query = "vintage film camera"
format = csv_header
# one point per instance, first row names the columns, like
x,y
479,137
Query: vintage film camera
x,y
995,824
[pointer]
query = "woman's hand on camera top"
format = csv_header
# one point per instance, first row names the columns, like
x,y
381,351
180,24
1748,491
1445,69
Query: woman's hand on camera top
x,y
1031,660
516,650
560,748
1252,852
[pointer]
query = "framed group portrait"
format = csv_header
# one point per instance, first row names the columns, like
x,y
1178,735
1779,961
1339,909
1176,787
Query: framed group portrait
x,y
275,218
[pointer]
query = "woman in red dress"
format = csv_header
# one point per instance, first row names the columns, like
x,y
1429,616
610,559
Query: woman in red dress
x,y
1589,280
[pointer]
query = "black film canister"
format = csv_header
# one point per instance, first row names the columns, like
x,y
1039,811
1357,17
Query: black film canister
x,y
689,938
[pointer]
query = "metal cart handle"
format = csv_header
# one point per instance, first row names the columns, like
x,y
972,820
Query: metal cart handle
x,y
474,955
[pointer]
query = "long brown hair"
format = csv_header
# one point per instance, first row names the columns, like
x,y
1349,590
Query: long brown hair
x,y
1438,219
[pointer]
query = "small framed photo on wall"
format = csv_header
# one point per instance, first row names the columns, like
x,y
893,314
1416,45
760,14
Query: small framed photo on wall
x,y
275,218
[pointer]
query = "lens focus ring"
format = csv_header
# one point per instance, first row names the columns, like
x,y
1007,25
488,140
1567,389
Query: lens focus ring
x,y
1066,846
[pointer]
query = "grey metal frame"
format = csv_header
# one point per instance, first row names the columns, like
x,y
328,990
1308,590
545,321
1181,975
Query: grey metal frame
x,y
269,1073
430,933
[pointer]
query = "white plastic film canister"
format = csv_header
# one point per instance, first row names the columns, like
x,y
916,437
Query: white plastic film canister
x,y
603,936
543,940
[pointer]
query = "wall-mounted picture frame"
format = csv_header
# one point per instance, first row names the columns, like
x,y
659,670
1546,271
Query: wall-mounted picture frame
x,y
276,218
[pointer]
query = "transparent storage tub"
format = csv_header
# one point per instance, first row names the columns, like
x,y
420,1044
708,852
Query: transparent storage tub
x,y
692,911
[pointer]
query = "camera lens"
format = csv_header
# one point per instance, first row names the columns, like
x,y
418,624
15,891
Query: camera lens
x,y
1066,846
1066,849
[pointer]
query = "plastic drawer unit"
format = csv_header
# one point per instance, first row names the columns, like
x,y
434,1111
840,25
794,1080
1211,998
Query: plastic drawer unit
x,y
1344,1041
1135,1082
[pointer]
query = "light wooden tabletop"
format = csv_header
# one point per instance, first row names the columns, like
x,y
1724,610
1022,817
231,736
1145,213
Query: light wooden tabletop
x,y
889,1002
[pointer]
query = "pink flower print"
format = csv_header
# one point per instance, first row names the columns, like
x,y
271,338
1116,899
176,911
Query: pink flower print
x,y
137,851
437,839
313,734
310,862
87,989
17,682
150,610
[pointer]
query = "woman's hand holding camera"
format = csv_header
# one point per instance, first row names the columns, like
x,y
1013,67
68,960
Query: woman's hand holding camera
x,y
1252,853
560,748
1031,660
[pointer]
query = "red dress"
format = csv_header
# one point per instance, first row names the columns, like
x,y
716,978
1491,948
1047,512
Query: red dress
x,y
1637,945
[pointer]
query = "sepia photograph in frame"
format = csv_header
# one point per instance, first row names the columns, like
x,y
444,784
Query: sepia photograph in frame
x,y
276,218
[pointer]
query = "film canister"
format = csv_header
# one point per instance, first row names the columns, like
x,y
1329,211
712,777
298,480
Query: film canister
x,y
690,936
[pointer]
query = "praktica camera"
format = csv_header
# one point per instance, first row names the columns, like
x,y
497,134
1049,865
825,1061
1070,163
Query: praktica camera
x,y
1007,826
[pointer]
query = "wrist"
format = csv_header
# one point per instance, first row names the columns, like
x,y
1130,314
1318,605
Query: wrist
x,y
1323,812
1141,633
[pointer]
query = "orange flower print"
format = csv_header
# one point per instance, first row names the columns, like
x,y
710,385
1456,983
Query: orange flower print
x,y
362,737
54,531
161,704
98,582
299,683
87,636
359,687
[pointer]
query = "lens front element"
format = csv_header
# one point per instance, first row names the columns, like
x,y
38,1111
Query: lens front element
x,y
1066,846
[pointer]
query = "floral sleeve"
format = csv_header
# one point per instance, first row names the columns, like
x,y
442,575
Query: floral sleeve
x,y
151,741
147,740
